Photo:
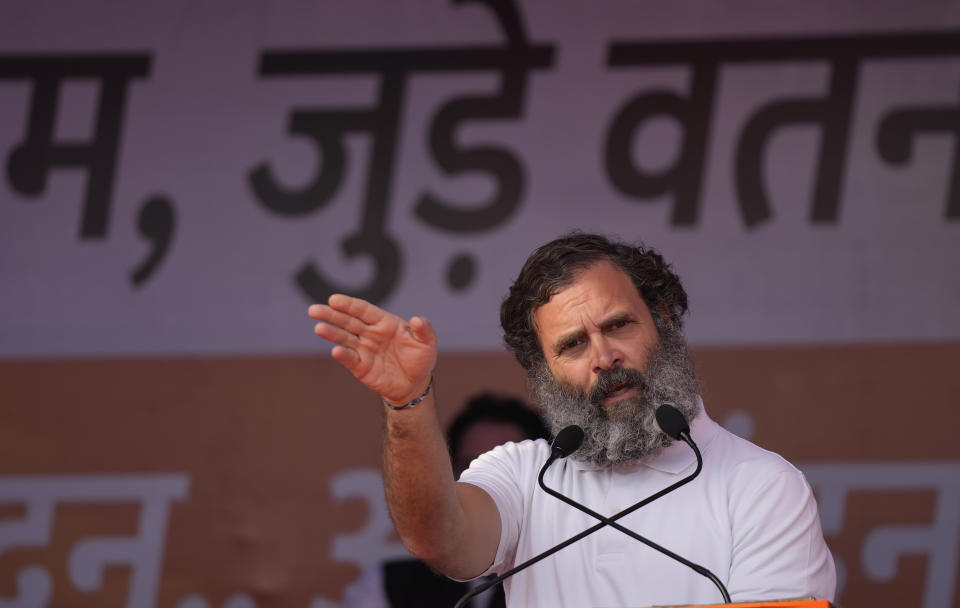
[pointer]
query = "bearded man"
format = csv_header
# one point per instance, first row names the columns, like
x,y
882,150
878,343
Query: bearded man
x,y
597,325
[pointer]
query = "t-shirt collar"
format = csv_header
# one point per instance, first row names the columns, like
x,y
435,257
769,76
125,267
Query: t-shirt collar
x,y
676,457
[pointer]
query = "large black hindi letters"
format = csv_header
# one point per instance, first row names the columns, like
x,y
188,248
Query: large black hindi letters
x,y
830,113
31,162
328,128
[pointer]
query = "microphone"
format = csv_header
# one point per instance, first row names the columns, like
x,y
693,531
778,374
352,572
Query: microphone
x,y
568,441
673,424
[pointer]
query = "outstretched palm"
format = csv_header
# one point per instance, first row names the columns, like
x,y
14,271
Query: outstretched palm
x,y
389,355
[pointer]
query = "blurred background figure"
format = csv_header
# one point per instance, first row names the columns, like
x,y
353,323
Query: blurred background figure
x,y
486,422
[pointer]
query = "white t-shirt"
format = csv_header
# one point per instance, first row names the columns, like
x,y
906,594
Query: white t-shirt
x,y
749,517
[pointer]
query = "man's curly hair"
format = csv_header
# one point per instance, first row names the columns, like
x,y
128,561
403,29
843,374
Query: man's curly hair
x,y
554,266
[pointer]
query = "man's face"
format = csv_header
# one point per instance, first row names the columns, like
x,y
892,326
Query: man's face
x,y
598,323
608,368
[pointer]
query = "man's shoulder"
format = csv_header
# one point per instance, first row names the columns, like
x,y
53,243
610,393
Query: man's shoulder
x,y
754,480
742,457
512,459
528,449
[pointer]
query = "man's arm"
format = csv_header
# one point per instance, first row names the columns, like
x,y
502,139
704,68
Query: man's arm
x,y
453,527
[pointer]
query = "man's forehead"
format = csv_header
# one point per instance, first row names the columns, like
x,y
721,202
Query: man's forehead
x,y
575,277
608,284
616,276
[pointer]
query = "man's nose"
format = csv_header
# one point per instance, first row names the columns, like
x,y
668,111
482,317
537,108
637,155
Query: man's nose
x,y
605,355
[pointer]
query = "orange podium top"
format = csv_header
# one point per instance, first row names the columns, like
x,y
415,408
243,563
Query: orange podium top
x,y
766,604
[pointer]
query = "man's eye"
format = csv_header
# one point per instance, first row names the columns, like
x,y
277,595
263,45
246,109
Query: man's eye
x,y
620,323
569,345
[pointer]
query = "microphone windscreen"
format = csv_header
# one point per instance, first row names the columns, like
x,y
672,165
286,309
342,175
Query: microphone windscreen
x,y
671,421
567,441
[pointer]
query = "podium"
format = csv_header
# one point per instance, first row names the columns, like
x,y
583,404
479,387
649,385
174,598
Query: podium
x,y
765,604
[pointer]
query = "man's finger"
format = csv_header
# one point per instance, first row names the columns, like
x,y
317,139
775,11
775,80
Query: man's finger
x,y
357,308
336,335
334,317
346,357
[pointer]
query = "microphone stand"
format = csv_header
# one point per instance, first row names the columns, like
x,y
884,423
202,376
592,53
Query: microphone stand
x,y
481,588
612,521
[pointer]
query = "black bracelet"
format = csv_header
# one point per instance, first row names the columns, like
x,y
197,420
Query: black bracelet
x,y
412,403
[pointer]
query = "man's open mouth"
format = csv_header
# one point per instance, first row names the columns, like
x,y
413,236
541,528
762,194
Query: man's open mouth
x,y
619,390
616,385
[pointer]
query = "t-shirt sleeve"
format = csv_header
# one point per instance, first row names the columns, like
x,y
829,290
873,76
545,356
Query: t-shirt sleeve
x,y
778,547
501,473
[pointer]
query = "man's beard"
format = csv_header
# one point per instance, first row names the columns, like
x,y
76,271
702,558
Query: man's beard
x,y
626,430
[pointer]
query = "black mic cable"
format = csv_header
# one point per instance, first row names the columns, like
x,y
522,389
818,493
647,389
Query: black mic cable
x,y
565,443
667,416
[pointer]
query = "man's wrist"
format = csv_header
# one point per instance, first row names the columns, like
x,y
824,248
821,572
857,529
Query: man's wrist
x,y
412,403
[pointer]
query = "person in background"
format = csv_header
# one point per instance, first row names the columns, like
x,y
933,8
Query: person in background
x,y
486,422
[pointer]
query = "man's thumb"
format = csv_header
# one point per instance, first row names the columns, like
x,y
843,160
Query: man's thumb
x,y
422,330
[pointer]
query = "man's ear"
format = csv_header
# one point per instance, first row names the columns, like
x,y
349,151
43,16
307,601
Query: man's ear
x,y
663,312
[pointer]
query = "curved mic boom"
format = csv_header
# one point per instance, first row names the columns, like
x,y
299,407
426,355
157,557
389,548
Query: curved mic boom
x,y
672,419
536,558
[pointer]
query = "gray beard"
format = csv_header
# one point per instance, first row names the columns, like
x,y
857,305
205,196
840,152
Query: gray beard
x,y
627,430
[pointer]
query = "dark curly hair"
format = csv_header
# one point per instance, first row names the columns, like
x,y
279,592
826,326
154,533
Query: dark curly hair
x,y
553,266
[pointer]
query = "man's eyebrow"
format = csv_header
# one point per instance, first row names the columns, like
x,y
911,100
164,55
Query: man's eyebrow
x,y
571,338
567,340
618,317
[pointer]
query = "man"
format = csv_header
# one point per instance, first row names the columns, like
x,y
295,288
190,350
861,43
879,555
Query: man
x,y
597,326
486,422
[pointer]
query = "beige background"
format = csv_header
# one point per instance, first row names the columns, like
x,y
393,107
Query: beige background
x,y
261,437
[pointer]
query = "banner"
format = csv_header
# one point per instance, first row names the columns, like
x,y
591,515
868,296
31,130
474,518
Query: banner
x,y
180,180
185,181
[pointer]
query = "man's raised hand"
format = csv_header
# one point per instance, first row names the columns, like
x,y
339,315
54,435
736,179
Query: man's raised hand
x,y
389,355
